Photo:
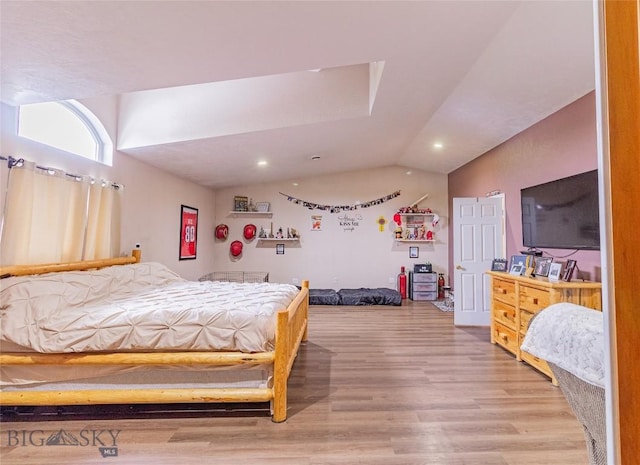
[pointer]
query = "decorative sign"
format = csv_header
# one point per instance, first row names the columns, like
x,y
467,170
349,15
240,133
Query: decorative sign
x,y
349,223
316,222
340,208
188,232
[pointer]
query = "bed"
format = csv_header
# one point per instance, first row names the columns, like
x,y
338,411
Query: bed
x,y
119,331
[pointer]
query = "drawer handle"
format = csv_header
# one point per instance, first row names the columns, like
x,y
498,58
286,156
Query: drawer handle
x,y
504,314
499,290
505,338
534,300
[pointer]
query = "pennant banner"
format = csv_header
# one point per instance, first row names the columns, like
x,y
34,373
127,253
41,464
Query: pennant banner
x,y
340,208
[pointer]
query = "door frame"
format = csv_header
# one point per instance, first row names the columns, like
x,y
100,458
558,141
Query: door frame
x,y
617,41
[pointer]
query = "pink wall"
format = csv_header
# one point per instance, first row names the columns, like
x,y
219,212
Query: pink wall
x,y
561,145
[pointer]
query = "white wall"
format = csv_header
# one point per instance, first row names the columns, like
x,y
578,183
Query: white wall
x,y
152,198
336,257
331,258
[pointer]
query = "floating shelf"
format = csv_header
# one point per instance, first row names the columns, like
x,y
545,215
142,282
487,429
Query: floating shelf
x,y
269,239
415,240
234,214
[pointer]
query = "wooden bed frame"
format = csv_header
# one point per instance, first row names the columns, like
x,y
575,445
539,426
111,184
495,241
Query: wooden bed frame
x,y
291,331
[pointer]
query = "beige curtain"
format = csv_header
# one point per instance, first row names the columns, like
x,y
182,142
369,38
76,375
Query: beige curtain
x,y
103,222
46,218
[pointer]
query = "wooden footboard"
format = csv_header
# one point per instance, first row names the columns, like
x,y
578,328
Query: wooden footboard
x,y
291,331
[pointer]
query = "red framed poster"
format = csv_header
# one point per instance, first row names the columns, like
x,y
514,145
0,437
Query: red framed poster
x,y
188,232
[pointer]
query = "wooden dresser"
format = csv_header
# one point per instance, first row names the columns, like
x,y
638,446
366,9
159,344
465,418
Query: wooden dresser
x,y
515,299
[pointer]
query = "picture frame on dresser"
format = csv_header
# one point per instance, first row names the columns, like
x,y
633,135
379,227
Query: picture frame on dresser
x,y
516,270
554,271
568,270
542,266
519,260
499,264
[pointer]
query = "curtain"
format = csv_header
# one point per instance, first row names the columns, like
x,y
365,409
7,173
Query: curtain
x,y
51,217
103,221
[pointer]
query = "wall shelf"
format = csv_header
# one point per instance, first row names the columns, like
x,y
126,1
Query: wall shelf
x,y
234,214
415,240
415,228
269,239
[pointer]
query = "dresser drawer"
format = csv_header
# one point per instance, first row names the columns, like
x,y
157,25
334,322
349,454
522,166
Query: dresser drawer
x,y
425,296
505,337
533,299
525,318
425,277
505,314
504,291
537,363
426,287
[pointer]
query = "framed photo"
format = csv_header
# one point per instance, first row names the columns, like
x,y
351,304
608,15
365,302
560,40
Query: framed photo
x,y
542,266
568,270
519,260
279,249
499,264
188,232
316,222
516,269
554,271
240,203
262,207
413,252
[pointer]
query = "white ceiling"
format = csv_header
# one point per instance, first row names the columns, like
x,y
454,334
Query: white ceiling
x,y
206,89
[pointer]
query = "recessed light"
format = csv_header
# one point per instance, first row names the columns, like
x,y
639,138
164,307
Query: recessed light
x,y
295,184
437,145
409,173
262,163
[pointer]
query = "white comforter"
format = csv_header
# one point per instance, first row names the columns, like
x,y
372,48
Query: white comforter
x,y
570,336
138,307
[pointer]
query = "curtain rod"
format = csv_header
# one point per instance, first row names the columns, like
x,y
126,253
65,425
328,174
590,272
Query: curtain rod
x,y
18,162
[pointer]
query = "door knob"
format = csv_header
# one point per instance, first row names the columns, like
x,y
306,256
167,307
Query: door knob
x,y
459,267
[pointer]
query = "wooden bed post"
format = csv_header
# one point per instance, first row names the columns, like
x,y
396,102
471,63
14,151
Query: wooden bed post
x,y
291,331
305,284
280,369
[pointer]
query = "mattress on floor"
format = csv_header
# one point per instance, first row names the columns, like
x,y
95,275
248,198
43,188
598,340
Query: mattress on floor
x,y
323,297
370,296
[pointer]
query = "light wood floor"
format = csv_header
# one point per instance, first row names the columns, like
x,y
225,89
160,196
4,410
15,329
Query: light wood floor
x,y
373,386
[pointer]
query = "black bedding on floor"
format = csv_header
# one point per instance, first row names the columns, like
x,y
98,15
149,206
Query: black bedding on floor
x,y
323,297
361,296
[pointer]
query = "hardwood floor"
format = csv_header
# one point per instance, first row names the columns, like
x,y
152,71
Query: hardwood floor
x,y
373,385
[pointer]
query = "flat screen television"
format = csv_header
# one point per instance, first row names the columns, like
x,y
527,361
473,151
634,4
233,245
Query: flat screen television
x,y
562,214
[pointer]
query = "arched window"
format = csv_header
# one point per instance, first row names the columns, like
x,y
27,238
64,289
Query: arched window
x,y
67,125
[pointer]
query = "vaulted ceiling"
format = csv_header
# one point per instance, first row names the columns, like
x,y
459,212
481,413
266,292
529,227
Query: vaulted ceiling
x,y
207,89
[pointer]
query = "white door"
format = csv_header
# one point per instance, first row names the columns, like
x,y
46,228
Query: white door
x,y
477,240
